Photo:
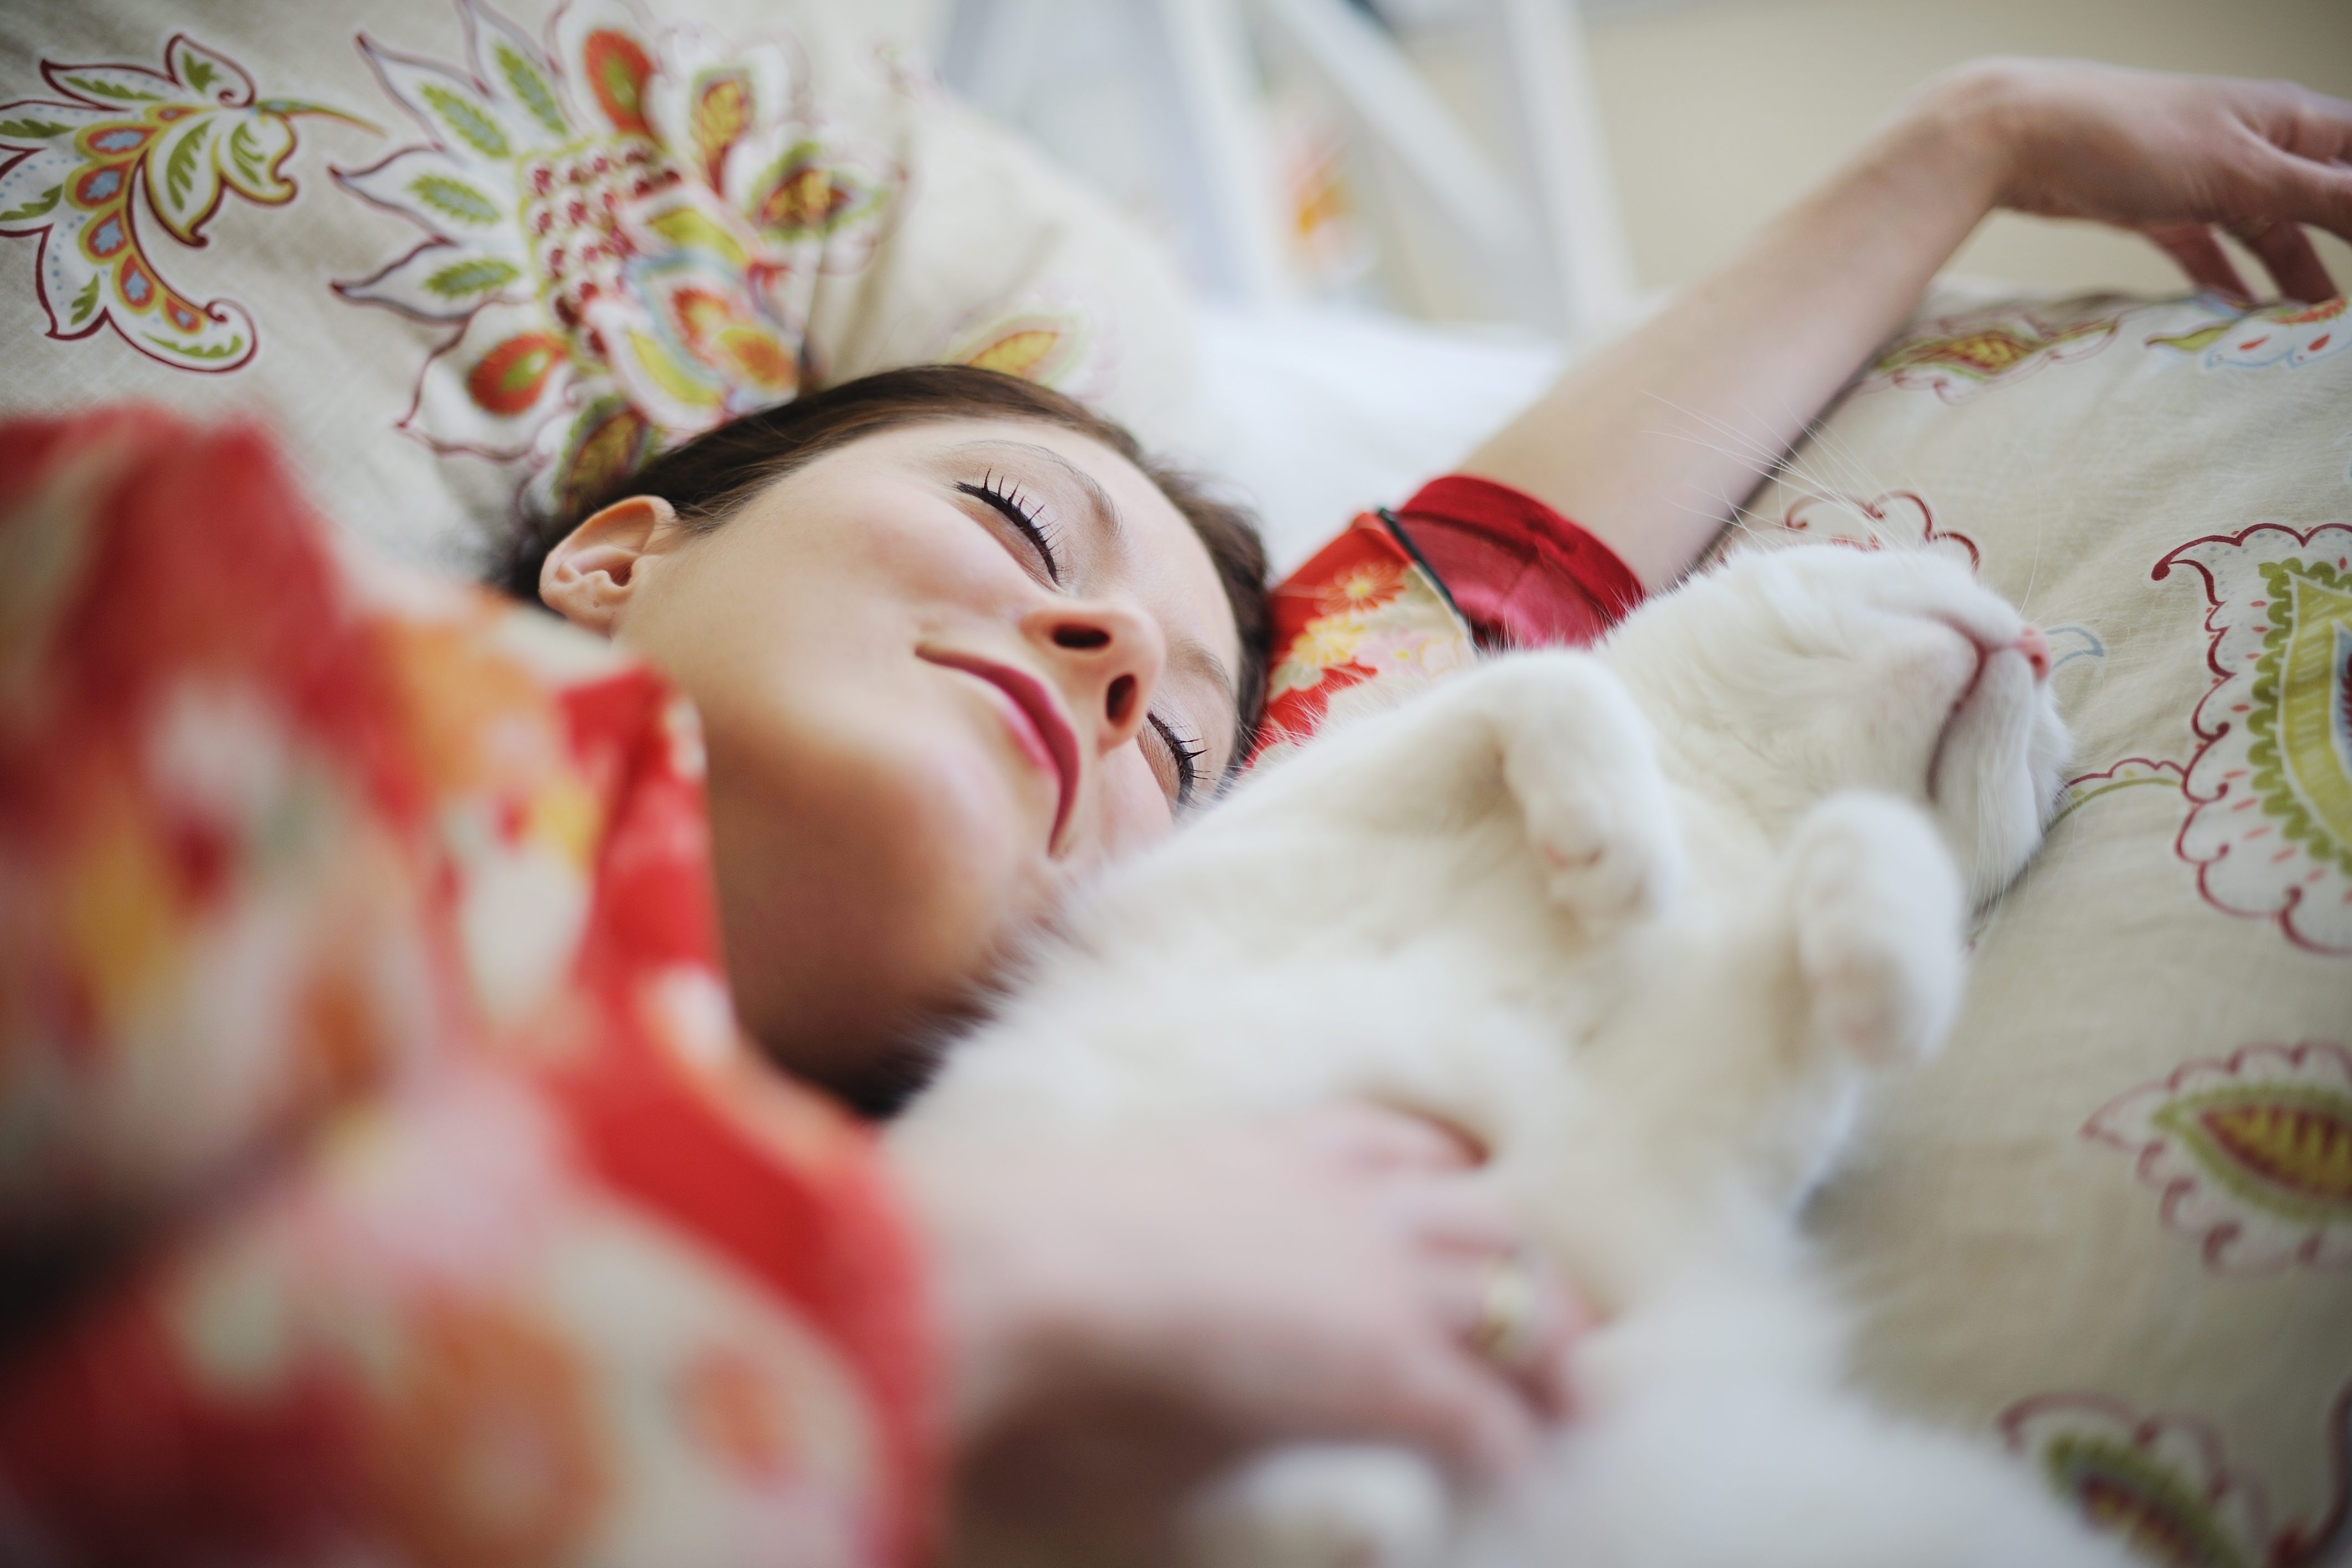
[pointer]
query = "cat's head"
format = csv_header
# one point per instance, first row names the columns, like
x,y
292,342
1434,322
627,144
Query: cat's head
x,y
1790,674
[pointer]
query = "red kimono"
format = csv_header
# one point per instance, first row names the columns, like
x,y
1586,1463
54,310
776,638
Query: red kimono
x,y
367,1073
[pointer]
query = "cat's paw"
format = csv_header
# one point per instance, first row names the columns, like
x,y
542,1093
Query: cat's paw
x,y
1598,818
1321,1505
1607,857
1878,909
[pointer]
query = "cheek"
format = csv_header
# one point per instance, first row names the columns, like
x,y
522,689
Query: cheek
x,y
872,863
1134,813
934,809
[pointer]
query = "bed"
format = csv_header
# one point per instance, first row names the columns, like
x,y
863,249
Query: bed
x,y
472,262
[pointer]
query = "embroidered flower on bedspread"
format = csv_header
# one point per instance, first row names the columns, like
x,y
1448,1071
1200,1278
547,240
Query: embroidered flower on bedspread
x,y
2270,823
2253,1156
2160,1485
1956,357
1058,339
2165,1486
2286,334
628,225
127,143
1899,519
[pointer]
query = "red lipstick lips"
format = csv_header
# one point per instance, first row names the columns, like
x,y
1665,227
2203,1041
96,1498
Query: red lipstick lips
x,y
1034,714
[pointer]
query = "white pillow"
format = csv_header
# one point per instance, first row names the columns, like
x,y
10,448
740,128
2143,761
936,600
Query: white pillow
x,y
1320,412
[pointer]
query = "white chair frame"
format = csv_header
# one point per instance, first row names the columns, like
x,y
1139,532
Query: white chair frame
x,y
1549,230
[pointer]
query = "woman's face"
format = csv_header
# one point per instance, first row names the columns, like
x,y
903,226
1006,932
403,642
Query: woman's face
x,y
943,672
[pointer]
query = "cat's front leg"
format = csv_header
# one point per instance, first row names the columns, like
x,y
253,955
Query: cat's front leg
x,y
1878,911
1578,757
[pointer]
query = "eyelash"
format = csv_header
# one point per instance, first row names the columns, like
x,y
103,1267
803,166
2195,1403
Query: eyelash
x,y
1004,496
1186,755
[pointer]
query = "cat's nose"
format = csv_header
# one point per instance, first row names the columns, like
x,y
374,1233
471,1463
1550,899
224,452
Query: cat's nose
x,y
2034,644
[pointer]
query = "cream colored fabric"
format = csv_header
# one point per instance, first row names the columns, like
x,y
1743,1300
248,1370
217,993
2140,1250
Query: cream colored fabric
x,y
467,258
2115,1220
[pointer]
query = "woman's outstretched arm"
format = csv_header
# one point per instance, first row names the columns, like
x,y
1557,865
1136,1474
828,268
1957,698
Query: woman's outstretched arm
x,y
1651,443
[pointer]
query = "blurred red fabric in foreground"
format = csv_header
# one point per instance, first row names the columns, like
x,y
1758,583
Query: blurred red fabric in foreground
x,y
359,1007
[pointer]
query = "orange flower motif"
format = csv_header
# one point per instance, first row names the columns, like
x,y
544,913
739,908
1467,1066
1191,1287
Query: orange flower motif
x,y
487,1452
1366,585
734,1410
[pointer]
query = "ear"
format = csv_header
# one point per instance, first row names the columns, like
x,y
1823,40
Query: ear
x,y
590,577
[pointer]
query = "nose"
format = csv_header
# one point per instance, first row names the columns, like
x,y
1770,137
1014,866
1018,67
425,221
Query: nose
x,y
1106,658
2034,644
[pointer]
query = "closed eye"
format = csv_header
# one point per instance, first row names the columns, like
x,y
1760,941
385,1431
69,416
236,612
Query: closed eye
x,y
996,491
1183,759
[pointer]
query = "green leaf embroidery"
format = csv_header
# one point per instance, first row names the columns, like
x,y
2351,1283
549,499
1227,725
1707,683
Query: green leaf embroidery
x,y
35,208
621,87
97,89
199,73
529,86
453,198
2076,1462
475,277
180,169
473,126
85,302
195,351
247,156
2190,342
286,107
32,130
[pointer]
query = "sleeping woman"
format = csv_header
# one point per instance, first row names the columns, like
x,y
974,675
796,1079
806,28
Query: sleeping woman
x,y
955,643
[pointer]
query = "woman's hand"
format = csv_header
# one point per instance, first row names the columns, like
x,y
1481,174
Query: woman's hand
x,y
2171,157
1322,1277
1652,442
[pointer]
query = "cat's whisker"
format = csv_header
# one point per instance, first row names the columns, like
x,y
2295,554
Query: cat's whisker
x,y
2033,574
1728,513
1857,477
1702,442
1748,444
1822,456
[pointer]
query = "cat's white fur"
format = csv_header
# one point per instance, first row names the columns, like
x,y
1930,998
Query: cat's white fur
x,y
1642,922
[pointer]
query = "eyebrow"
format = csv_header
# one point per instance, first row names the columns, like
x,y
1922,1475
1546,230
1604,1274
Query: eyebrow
x,y
1193,655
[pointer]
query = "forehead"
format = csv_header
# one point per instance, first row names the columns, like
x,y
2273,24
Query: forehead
x,y
1129,537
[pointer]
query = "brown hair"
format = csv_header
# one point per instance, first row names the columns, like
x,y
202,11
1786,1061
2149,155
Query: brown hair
x,y
708,477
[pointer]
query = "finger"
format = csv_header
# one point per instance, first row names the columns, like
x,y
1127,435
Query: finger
x,y
2287,255
2194,249
2318,126
1532,1353
1463,1413
2309,190
1552,1378
1453,1215
1372,1137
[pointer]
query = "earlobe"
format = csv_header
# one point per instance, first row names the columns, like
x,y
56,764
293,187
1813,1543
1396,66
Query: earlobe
x,y
591,576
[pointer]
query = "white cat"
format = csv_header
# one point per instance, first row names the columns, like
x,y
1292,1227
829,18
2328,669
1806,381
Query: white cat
x,y
1642,922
